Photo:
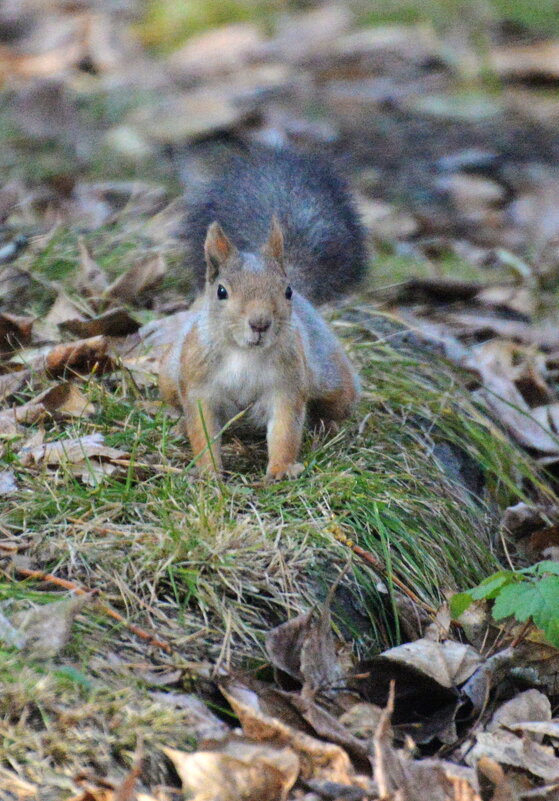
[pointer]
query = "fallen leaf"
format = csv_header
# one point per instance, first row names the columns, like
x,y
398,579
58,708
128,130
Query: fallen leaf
x,y
84,355
529,62
239,770
62,309
46,629
13,381
449,663
507,748
140,278
114,323
91,279
400,778
509,407
15,332
362,719
304,648
10,419
424,708
487,676
91,472
7,482
70,450
530,705
199,720
523,519
66,399
318,759
493,782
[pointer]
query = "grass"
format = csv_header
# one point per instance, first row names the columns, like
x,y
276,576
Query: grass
x,y
167,24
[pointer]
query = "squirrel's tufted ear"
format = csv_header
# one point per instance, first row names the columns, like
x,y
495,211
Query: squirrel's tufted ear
x,y
217,249
273,249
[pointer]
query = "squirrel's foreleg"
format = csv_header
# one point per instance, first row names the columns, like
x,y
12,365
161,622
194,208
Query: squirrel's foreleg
x,y
202,429
285,432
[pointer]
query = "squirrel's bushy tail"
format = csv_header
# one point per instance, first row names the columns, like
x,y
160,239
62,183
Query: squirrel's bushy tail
x,y
323,237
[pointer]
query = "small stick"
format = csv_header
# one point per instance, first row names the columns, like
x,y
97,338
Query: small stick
x,y
375,563
108,610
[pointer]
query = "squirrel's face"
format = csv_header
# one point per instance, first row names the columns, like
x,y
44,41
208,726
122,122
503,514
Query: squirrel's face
x,y
248,295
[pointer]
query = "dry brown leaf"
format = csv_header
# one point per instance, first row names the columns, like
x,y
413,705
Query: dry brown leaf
x,y
530,705
13,381
140,278
62,309
521,300
450,663
400,778
540,728
46,629
66,399
492,779
91,472
239,770
318,759
507,748
10,419
502,377
362,719
537,60
84,355
69,451
114,323
304,648
15,332
91,279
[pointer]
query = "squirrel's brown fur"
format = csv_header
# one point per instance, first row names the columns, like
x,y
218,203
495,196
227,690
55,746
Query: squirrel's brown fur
x,y
252,345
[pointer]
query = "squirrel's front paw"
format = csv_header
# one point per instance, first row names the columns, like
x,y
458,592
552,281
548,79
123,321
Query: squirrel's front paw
x,y
279,472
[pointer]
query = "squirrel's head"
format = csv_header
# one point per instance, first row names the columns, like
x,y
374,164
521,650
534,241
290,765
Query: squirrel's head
x,y
248,294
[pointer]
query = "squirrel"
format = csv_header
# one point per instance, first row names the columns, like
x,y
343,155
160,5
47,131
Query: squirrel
x,y
275,231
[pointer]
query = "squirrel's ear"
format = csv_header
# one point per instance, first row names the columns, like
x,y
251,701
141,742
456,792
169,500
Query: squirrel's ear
x,y
217,249
274,246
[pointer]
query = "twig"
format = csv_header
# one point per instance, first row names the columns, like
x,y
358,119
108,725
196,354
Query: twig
x,y
108,610
377,565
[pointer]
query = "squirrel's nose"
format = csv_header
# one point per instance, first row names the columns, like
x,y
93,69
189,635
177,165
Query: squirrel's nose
x,y
260,324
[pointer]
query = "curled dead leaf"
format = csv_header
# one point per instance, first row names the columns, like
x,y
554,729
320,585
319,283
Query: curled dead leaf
x,y
84,355
70,451
62,309
318,759
239,770
114,323
136,281
66,399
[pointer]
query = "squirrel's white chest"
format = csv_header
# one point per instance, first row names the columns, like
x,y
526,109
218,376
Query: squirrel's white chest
x,y
245,379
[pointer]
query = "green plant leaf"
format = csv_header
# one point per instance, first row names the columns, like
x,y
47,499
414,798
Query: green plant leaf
x,y
459,603
492,585
547,566
538,600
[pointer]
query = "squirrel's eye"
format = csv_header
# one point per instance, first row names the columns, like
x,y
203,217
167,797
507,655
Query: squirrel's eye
x,y
222,292
288,293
